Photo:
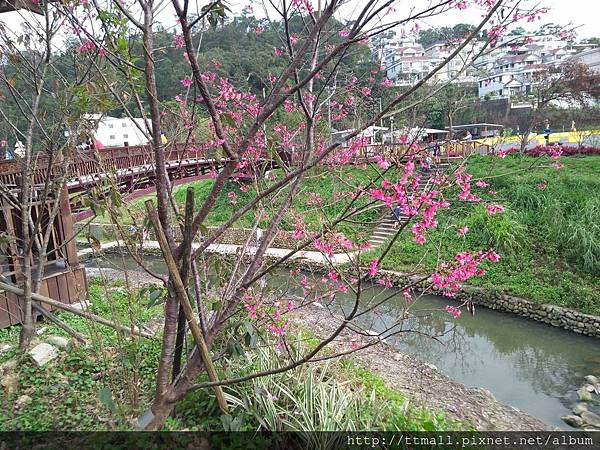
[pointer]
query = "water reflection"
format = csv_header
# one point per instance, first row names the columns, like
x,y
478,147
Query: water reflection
x,y
531,366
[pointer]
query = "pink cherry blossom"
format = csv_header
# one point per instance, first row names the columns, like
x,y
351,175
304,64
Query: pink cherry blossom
x,y
373,267
462,231
178,41
232,196
383,163
454,312
494,209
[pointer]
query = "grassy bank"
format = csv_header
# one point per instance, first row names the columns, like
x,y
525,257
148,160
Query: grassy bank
x,y
109,384
549,236
323,196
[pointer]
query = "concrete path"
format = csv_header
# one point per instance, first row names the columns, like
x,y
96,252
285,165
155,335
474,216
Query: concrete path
x,y
232,249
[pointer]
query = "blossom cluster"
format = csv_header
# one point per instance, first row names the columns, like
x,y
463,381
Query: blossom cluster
x,y
466,265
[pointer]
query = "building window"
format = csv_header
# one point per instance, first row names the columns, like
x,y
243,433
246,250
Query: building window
x,y
112,137
125,136
110,125
123,124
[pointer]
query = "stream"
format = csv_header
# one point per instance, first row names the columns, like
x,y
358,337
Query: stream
x,y
529,365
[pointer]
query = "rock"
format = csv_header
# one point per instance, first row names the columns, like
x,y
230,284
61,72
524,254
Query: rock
x,y
431,366
43,353
8,366
589,388
591,419
591,379
10,383
584,395
22,401
574,421
41,331
579,408
81,306
5,348
59,341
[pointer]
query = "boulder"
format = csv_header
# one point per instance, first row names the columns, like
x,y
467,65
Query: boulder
x,y
8,366
81,306
59,341
9,383
574,421
584,395
591,419
43,353
22,401
5,348
579,408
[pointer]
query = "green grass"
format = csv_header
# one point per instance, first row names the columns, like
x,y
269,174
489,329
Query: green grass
x,y
101,387
331,185
549,238
107,385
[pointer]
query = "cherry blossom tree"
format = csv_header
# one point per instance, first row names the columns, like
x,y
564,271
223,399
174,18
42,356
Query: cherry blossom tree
x,y
287,127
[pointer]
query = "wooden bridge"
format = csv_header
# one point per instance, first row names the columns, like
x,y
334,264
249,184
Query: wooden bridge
x,y
127,169
131,169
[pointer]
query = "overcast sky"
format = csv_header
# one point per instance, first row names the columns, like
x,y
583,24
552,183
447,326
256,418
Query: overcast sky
x,y
583,14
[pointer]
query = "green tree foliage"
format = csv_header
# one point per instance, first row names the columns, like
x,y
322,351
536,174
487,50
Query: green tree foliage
x,y
430,36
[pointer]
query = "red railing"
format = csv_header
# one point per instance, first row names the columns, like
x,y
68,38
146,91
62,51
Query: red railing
x,y
86,163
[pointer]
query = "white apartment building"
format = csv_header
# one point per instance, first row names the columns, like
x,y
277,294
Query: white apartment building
x,y
119,132
406,63
410,62
508,69
590,57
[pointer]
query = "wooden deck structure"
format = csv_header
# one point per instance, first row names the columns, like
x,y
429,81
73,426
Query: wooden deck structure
x,y
63,280
126,168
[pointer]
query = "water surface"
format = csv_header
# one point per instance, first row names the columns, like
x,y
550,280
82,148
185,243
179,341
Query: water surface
x,y
529,365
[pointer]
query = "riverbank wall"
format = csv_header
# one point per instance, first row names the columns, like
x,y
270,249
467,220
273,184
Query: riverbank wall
x,y
553,315
556,316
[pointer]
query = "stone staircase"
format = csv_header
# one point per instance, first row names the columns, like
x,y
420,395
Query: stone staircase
x,y
385,227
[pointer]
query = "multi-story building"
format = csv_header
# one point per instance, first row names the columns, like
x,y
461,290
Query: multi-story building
x,y
119,132
409,62
406,63
509,69
502,71
590,57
